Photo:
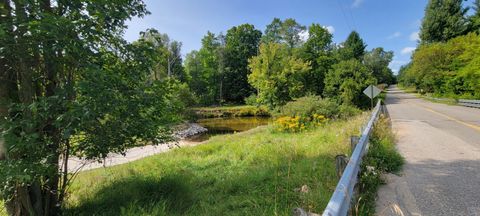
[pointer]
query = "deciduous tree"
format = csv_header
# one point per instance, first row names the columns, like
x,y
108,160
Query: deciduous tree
x,y
74,87
346,81
277,76
241,43
318,51
377,61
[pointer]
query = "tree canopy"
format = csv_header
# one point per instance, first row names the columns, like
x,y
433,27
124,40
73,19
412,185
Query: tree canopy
x,y
353,47
241,43
286,31
73,87
277,76
346,82
443,20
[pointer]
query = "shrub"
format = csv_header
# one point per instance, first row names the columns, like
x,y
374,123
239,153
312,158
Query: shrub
x,y
298,123
346,111
309,105
290,124
251,100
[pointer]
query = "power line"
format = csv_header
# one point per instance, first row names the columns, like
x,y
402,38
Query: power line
x,y
353,18
344,15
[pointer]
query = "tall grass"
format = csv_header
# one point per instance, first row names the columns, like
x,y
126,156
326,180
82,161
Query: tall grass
x,y
382,157
3,211
258,172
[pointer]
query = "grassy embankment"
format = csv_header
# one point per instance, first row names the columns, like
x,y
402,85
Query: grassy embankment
x,y
230,111
258,172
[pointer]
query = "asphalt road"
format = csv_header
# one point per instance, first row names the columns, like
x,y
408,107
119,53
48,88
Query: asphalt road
x,y
441,145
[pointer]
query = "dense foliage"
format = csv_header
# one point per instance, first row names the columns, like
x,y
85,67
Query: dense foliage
x,y
277,76
353,47
447,69
288,61
241,43
310,105
72,86
444,20
347,80
447,61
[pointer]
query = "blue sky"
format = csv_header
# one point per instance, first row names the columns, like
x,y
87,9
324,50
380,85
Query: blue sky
x,y
392,24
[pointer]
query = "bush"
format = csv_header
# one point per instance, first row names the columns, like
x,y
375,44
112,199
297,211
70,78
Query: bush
x,y
346,111
309,105
290,124
298,123
251,100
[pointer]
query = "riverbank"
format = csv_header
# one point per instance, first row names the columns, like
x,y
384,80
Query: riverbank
x,y
231,111
181,133
258,172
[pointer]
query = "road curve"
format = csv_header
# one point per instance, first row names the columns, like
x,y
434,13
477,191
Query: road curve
x,y
441,146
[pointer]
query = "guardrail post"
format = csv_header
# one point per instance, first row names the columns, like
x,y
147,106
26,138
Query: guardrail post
x,y
353,142
341,162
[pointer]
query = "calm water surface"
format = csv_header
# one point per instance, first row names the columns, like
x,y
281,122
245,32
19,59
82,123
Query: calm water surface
x,y
229,125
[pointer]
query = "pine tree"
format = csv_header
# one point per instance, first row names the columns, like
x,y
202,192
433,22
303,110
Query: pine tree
x,y
353,47
443,20
475,18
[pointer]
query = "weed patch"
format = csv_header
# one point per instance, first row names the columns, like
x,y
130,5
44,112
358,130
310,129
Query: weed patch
x,y
382,157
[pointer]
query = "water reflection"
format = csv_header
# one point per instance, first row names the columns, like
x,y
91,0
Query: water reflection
x,y
217,126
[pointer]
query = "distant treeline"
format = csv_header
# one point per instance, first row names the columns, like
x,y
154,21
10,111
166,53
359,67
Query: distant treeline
x,y
286,61
447,59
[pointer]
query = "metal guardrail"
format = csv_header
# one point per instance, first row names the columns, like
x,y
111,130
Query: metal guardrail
x,y
469,103
461,102
341,199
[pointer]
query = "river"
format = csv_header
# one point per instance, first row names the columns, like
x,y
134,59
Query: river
x,y
228,125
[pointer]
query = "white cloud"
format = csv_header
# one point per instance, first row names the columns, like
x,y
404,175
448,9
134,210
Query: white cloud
x,y
415,24
407,50
396,64
414,36
330,29
357,3
394,35
304,35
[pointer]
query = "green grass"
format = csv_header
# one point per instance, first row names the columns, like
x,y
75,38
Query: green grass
x,y
258,172
230,111
384,158
3,211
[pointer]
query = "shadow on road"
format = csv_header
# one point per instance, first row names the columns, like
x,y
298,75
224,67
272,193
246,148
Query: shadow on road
x,y
439,188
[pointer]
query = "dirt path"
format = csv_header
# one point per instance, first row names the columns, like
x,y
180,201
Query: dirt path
x,y
75,164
